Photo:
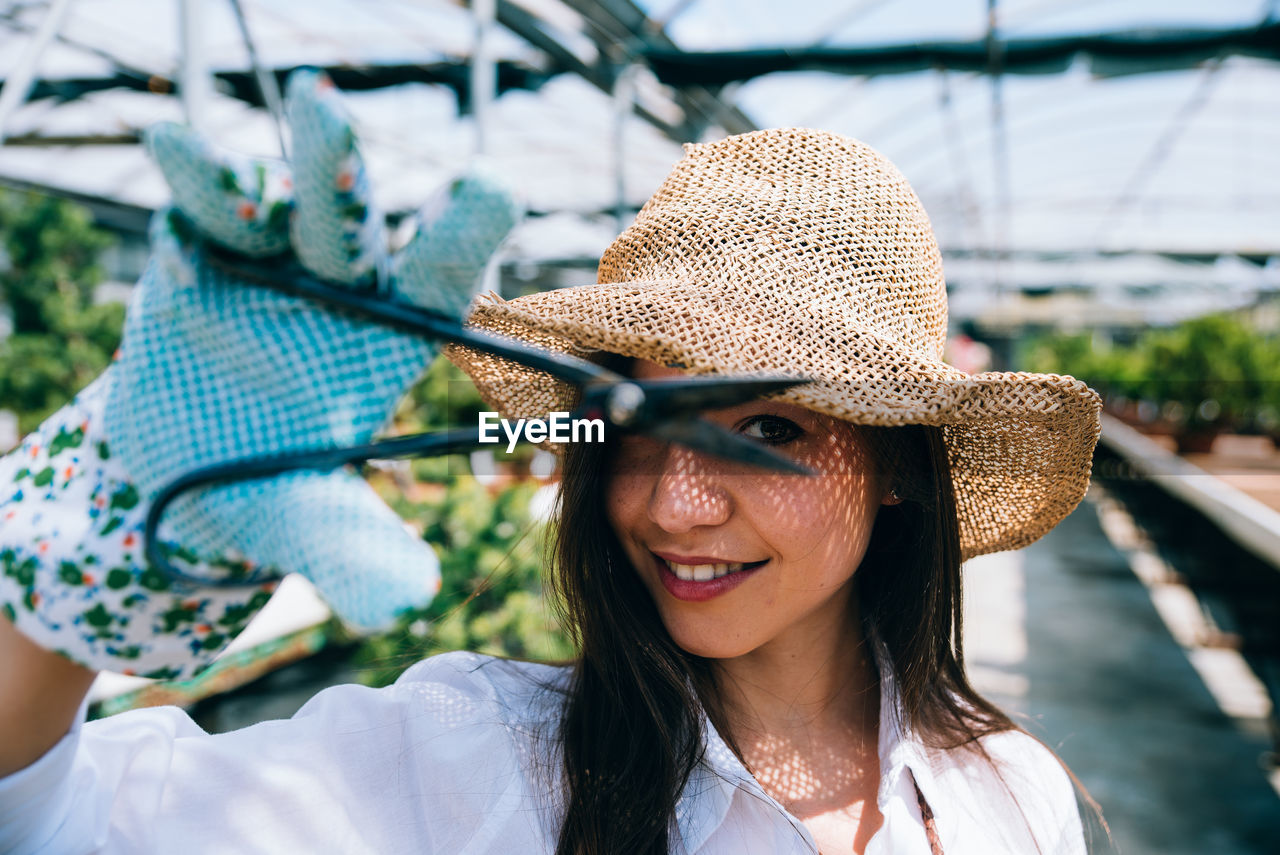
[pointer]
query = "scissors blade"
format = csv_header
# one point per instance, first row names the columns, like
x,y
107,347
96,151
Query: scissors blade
x,y
713,439
681,395
289,278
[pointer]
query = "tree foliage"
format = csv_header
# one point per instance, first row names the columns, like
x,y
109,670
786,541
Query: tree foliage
x,y
491,599
60,339
1211,371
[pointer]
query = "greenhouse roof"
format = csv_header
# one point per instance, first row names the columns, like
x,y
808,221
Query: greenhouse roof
x,y
1136,144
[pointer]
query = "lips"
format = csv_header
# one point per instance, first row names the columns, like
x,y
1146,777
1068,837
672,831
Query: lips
x,y
696,578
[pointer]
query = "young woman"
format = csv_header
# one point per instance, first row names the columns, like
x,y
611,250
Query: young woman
x,y
768,662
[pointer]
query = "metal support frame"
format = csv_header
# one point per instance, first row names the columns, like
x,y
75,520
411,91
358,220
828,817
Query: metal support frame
x,y
483,74
18,84
195,84
623,24
623,101
999,153
1161,149
267,83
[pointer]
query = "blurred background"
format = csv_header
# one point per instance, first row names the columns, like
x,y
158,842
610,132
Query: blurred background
x,y
1103,178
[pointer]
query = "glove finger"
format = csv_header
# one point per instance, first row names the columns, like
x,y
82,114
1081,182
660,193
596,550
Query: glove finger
x,y
337,233
441,267
333,529
240,203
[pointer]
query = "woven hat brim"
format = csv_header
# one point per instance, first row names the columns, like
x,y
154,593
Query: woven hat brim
x,y
1020,444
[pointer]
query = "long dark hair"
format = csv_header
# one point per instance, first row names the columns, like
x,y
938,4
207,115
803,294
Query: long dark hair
x,y
630,733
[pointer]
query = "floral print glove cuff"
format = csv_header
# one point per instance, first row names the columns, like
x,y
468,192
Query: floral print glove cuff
x,y
71,571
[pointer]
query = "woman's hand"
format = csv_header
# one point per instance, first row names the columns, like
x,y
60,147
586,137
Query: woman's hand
x,y
215,368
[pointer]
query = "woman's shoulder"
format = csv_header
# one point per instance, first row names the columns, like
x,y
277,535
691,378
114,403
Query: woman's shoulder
x,y
1031,769
519,688
445,693
1021,780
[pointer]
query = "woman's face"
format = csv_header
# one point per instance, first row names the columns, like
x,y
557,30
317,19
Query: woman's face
x,y
738,557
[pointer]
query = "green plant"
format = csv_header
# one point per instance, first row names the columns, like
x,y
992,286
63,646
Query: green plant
x,y
1202,375
1209,372
491,599
443,397
49,251
1113,370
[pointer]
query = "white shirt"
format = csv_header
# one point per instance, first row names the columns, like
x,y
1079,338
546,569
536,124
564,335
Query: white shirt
x,y
451,759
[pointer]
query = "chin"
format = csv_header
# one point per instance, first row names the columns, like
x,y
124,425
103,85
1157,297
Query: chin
x,y
709,646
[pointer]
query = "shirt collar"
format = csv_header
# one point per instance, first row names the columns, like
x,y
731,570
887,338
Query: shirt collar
x,y
901,753
708,795
712,786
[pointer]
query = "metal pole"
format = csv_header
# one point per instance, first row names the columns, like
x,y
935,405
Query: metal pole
x,y
195,82
623,103
18,84
266,80
999,152
484,85
484,78
1160,150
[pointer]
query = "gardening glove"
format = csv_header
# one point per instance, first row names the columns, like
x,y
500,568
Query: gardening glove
x,y
215,368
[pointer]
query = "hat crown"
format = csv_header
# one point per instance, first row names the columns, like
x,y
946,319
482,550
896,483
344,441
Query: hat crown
x,y
793,220
806,253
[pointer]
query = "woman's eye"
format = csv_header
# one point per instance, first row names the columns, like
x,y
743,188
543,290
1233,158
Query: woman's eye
x,y
771,430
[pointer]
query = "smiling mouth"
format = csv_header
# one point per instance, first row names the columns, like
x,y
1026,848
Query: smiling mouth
x,y
707,572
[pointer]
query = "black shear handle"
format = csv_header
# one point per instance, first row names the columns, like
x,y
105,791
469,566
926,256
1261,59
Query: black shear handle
x,y
321,460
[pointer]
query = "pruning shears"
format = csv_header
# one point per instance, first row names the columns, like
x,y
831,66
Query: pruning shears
x,y
666,409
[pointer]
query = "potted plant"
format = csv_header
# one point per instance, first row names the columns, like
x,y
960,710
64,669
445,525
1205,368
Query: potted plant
x,y
1207,373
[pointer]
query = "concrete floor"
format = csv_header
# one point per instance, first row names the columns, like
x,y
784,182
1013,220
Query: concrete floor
x,y
1064,632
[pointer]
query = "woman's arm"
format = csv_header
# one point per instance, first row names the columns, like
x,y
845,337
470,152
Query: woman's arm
x,y
40,693
424,766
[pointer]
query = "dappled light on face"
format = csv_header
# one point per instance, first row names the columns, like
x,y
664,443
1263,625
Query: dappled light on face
x,y
686,490
797,539
685,494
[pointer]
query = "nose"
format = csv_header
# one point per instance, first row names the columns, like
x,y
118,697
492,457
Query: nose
x,y
687,492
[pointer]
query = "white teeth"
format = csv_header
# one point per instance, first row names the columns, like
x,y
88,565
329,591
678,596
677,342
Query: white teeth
x,y
702,572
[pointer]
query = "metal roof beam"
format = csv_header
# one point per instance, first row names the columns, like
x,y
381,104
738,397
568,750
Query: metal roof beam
x,y
529,27
1124,52
620,26
243,85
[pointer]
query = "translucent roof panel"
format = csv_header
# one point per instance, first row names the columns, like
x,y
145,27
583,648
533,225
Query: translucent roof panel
x,y
1072,163
706,25
143,34
1175,160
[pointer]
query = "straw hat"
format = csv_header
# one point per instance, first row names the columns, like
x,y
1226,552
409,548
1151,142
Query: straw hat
x,y
806,252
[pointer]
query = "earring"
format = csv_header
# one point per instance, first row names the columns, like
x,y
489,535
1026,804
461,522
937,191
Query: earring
x,y
894,498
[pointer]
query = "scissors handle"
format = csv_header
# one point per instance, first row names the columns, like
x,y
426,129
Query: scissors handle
x,y
663,408
291,278
430,444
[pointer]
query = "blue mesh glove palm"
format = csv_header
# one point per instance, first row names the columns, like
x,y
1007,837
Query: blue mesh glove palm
x,y
214,368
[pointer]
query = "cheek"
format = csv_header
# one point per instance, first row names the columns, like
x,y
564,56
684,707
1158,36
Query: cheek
x,y
828,519
824,519
625,498
620,502
630,481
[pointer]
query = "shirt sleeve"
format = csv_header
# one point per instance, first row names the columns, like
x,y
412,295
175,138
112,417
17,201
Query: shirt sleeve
x,y
413,767
35,799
